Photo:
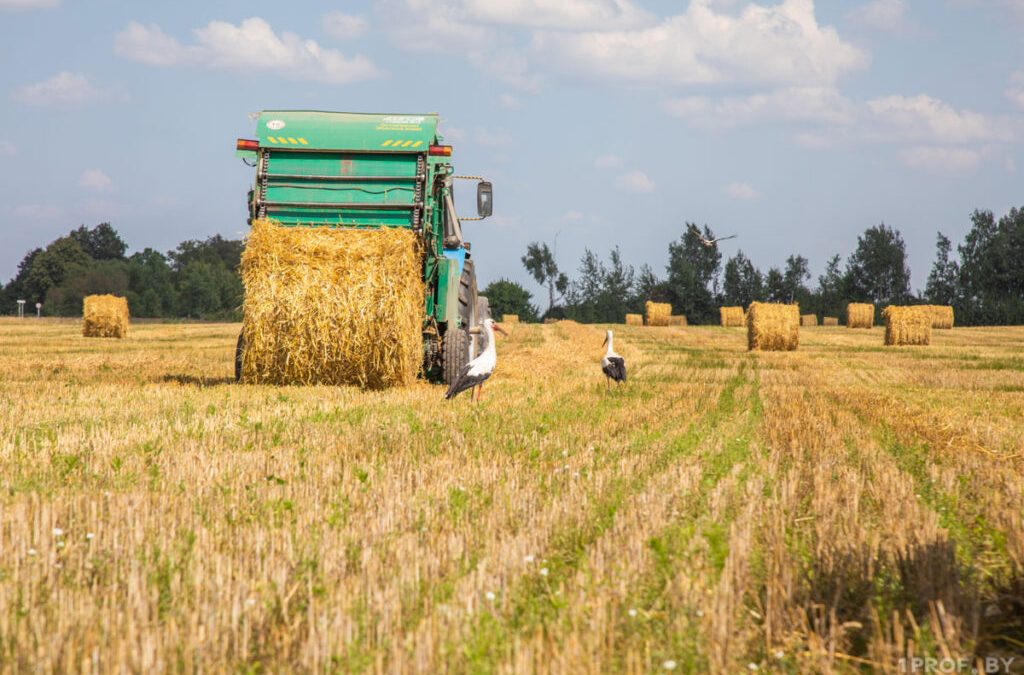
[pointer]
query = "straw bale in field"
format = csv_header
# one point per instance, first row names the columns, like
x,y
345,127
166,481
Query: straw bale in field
x,y
510,318
830,321
332,306
731,316
104,316
773,327
860,315
808,319
908,325
634,319
677,320
658,313
942,316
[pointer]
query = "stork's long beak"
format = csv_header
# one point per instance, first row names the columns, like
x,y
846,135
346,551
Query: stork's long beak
x,y
498,328
605,341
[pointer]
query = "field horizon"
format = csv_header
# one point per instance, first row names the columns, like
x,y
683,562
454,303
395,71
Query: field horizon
x,y
842,508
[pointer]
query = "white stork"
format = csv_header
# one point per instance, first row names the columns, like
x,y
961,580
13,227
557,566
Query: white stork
x,y
612,365
474,373
710,242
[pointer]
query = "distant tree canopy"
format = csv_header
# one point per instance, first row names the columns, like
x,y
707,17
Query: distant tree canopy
x,y
199,279
982,277
983,280
508,297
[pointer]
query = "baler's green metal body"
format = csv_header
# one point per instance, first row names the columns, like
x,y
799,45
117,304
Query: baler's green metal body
x,y
355,170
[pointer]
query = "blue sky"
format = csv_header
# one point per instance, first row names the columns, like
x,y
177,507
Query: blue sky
x,y
793,124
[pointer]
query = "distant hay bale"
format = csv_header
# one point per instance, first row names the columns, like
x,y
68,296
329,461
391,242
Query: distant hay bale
x,y
942,316
773,327
634,319
658,313
332,306
860,315
731,317
908,325
104,316
830,321
677,320
510,318
808,319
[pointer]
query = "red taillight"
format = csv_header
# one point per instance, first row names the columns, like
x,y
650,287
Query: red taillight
x,y
245,144
440,151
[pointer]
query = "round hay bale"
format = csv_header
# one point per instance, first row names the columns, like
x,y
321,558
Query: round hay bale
x,y
808,320
908,325
658,313
634,319
731,317
510,318
773,327
942,316
104,316
332,306
860,315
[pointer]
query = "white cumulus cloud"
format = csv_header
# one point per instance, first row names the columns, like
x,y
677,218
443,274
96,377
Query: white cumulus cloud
x,y
63,89
635,181
570,14
780,44
740,191
928,119
95,180
343,26
250,45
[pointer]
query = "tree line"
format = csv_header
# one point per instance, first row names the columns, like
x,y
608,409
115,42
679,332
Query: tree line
x,y
983,279
198,279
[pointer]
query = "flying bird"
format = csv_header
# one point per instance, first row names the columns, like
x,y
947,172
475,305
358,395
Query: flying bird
x,y
710,242
474,373
612,365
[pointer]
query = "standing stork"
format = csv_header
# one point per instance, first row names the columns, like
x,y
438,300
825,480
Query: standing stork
x,y
612,365
474,373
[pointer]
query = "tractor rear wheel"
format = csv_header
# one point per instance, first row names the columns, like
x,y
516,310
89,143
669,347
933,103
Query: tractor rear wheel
x,y
455,353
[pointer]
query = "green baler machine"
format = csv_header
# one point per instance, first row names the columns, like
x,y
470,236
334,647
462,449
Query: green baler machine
x,y
357,170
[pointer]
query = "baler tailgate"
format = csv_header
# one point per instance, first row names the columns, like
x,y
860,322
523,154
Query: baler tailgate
x,y
342,188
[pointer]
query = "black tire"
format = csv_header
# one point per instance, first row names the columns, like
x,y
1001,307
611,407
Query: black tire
x,y
467,295
239,350
455,353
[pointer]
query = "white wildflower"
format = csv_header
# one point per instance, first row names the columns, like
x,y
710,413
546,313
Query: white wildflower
x,y
669,665
527,559
543,571
57,532
632,612
89,536
489,595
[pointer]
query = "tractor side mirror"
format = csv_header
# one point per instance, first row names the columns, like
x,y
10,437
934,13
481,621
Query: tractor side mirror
x,y
484,199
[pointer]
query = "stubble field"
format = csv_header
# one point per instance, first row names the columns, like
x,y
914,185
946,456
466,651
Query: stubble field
x,y
835,509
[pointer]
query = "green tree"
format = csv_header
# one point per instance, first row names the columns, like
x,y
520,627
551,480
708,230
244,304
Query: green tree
x,y
831,289
208,290
508,297
101,242
693,270
793,278
96,277
992,269
775,289
50,267
742,283
877,270
539,261
942,281
151,285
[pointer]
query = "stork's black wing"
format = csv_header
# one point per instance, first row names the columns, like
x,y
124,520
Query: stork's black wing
x,y
463,382
616,368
